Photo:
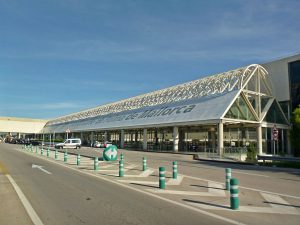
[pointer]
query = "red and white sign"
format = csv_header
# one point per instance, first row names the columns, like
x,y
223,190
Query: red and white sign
x,y
275,133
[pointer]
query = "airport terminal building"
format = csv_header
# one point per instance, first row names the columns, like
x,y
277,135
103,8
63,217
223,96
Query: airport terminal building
x,y
217,114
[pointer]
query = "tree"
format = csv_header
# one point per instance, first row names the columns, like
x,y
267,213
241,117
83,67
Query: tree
x,y
295,131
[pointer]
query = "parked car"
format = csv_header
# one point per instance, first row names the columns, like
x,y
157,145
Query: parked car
x,y
32,142
69,143
105,144
96,144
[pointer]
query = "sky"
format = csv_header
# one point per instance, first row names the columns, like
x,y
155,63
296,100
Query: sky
x,y
62,56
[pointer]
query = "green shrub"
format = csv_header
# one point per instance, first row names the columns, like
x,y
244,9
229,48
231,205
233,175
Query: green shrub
x,y
251,153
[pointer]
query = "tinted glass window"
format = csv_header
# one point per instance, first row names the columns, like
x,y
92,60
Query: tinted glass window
x,y
294,69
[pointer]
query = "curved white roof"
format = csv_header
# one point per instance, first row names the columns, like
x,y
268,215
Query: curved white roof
x,y
209,86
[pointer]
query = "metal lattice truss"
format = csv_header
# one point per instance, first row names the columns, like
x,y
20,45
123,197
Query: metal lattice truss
x,y
208,86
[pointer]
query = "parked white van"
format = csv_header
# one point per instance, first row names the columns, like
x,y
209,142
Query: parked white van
x,y
69,143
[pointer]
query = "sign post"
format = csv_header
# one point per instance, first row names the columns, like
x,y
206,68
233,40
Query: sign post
x,y
275,137
110,153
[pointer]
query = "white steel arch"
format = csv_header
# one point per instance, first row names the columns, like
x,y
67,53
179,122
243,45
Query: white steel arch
x,y
207,86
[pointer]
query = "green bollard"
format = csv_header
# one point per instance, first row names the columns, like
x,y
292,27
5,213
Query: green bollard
x,y
31,148
48,152
56,154
175,170
228,176
234,194
144,163
122,157
121,168
96,163
36,149
78,160
65,156
42,151
162,178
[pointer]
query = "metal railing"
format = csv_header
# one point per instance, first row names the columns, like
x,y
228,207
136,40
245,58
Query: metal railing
x,y
236,153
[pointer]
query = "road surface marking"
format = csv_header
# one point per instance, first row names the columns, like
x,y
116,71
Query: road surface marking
x,y
33,166
212,191
252,174
144,192
282,206
106,166
247,188
216,189
117,170
139,182
175,181
31,212
146,173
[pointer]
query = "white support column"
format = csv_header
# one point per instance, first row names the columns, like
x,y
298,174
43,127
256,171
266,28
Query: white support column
x,y
122,139
175,139
81,136
259,139
92,137
220,139
105,135
145,139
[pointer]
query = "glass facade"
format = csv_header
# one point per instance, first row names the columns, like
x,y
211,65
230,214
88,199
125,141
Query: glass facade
x,y
197,139
275,115
240,110
294,72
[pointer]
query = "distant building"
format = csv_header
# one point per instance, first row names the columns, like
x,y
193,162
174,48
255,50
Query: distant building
x,y
285,77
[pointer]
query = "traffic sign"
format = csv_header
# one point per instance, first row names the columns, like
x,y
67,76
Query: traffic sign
x,y
275,133
68,131
110,153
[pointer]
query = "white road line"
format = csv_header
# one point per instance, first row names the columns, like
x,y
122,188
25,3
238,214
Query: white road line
x,y
146,173
282,205
31,212
175,181
116,170
40,168
216,189
106,166
139,182
247,188
251,174
251,209
188,193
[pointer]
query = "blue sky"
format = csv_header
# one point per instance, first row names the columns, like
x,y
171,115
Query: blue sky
x,y
59,57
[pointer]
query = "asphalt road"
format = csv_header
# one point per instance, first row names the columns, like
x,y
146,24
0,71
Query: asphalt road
x,y
279,180
70,197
